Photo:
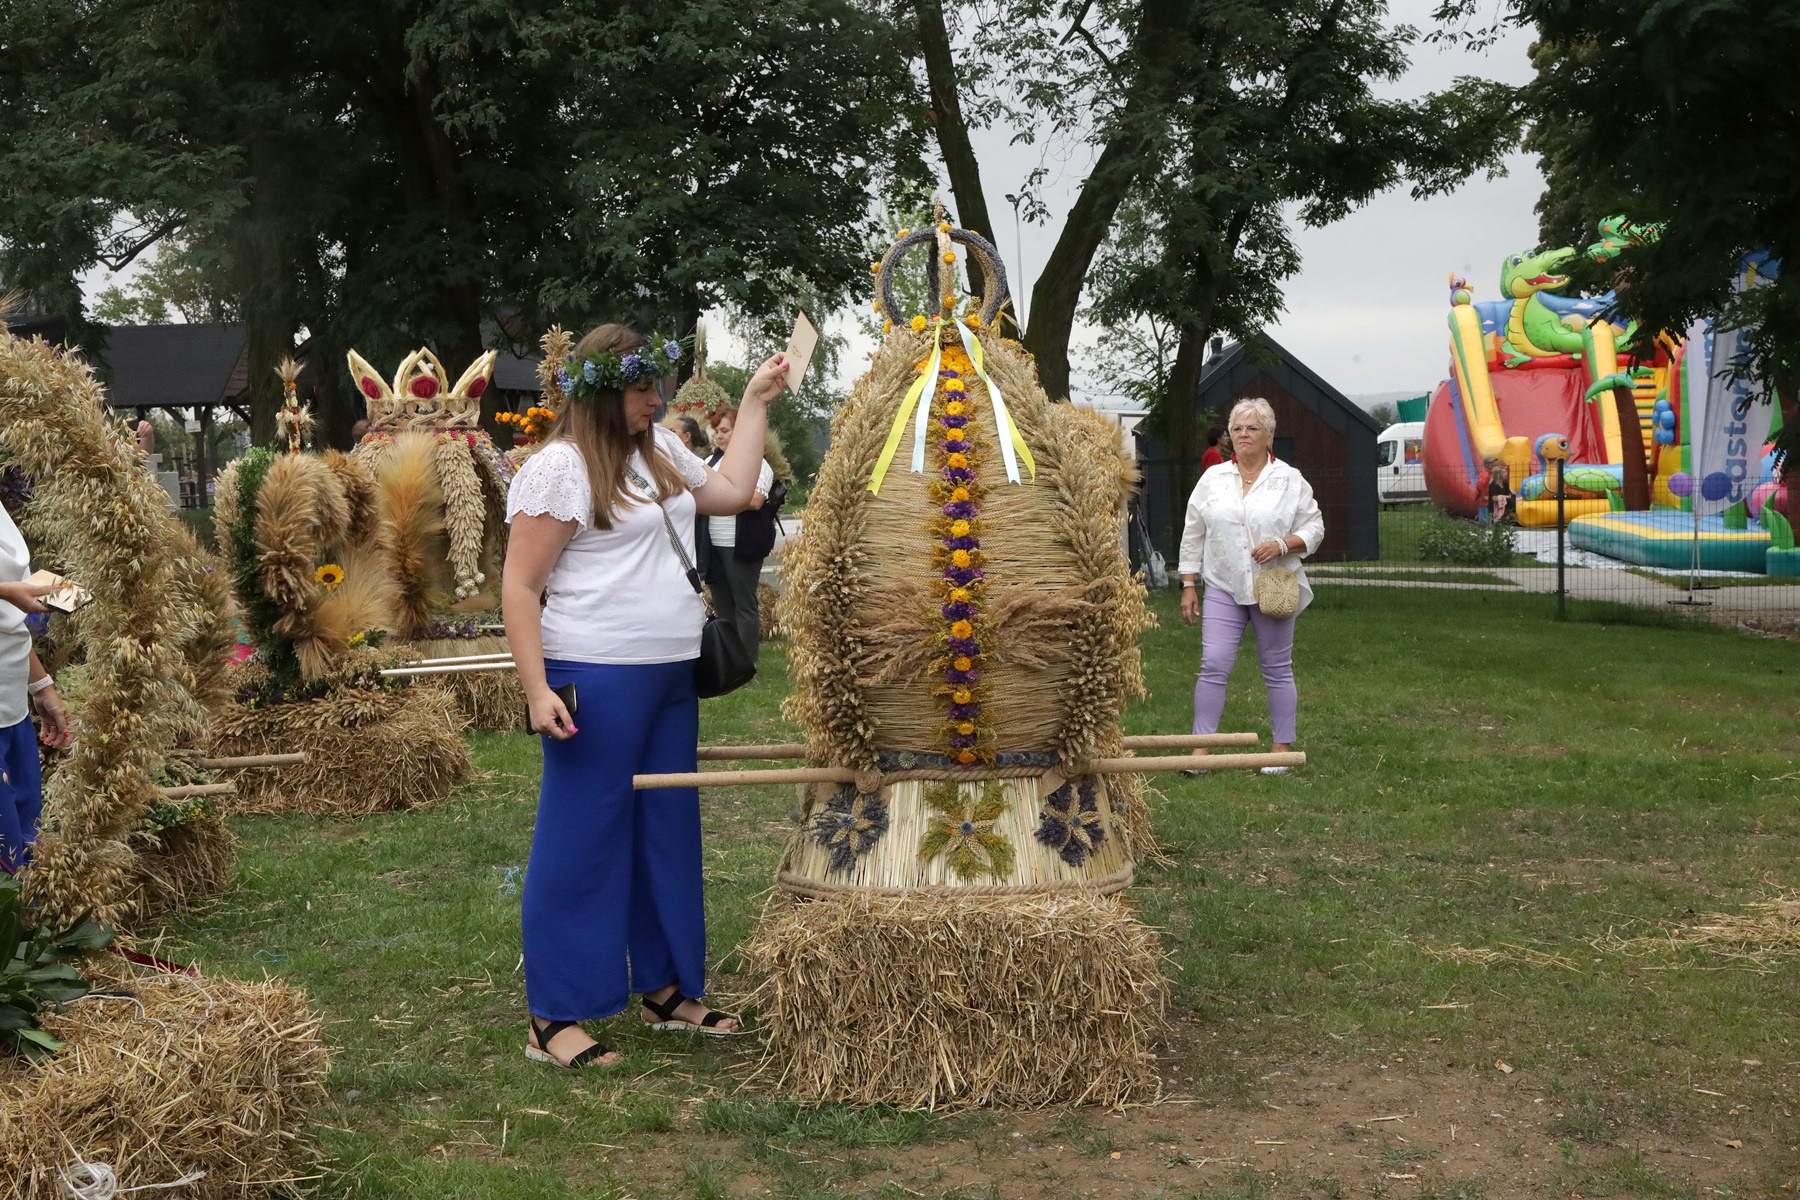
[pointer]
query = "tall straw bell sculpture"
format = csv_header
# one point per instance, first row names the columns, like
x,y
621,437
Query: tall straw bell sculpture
x,y
949,927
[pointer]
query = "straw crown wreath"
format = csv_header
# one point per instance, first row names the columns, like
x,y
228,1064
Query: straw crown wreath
x,y
420,395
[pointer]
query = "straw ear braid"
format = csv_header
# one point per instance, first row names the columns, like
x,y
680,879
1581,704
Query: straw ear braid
x,y
995,291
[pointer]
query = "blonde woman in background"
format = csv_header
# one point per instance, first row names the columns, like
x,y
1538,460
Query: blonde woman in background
x,y
1247,514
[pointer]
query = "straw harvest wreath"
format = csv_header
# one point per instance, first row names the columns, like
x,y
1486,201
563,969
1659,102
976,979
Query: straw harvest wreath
x,y
963,630
129,1099
151,647
424,428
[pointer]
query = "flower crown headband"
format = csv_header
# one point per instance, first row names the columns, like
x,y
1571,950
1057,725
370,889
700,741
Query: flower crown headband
x,y
588,377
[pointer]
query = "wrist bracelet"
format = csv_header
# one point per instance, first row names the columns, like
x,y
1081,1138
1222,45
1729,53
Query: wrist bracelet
x,y
38,685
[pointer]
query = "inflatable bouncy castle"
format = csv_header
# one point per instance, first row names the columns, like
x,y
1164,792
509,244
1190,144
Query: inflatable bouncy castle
x,y
1537,367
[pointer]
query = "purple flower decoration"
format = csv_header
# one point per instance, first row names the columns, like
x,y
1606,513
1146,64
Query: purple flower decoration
x,y
672,348
631,366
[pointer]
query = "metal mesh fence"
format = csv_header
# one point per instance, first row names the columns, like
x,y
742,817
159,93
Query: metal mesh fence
x,y
1745,576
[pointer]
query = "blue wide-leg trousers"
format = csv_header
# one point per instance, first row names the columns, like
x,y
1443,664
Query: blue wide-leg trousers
x,y
21,794
613,897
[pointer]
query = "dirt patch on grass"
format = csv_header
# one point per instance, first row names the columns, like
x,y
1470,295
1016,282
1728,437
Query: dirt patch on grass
x,y
1404,1131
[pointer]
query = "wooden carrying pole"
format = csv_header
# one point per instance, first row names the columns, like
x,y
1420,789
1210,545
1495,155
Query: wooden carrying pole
x,y
399,672
243,761
1147,741
500,658
197,789
1098,766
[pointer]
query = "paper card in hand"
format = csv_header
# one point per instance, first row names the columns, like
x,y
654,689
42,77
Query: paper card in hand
x,y
801,344
68,596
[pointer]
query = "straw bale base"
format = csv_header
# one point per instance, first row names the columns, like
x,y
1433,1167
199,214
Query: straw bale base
x,y
368,750
490,700
181,866
185,1075
926,1001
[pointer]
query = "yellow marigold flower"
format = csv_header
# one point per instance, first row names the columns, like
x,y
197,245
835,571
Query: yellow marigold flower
x,y
875,306
887,327
949,299
958,460
963,663
959,494
874,268
330,575
973,320
960,558
949,256
965,727
943,227
904,232
918,324
960,595
962,629
959,529
962,696
954,408
966,757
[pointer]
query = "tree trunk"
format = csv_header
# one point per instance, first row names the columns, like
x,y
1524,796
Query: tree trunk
x,y
1057,293
953,130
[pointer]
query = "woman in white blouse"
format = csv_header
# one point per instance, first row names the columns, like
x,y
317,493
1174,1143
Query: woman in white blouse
x,y
1245,515
597,600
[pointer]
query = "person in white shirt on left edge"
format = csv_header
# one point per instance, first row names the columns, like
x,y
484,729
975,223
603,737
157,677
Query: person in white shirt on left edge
x,y
1244,515
733,578
25,687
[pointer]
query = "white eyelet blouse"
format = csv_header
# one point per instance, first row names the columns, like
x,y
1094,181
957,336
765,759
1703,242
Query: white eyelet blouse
x,y
616,595
1223,523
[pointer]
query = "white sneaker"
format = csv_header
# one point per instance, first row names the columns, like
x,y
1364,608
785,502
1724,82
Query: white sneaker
x,y
1275,770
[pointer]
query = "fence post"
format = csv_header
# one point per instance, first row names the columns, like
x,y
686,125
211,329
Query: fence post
x,y
1562,535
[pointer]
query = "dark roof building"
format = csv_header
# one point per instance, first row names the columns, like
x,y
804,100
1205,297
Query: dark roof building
x,y
1317,429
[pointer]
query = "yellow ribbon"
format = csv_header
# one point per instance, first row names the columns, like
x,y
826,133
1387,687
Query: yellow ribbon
x,y
918,397
1010,439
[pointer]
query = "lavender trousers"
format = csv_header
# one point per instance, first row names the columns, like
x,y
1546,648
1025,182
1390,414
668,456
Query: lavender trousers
x,y
1222,622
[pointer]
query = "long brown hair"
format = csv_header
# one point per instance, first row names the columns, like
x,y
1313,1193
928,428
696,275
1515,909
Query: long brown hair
x,y
598,431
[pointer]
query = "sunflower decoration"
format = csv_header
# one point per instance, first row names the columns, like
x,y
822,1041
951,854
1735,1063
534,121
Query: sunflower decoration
x,y
961,830
330,576
849,825
1071,823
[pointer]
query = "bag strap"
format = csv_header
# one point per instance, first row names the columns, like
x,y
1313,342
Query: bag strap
x,y
687,563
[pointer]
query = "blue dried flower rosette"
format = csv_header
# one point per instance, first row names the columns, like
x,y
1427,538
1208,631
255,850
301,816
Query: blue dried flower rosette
x,y
590,376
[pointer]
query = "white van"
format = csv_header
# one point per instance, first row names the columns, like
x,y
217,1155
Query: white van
x,y
1400,462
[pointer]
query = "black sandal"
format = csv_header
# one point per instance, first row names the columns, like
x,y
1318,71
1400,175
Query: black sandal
x,y
546,1033
667,1022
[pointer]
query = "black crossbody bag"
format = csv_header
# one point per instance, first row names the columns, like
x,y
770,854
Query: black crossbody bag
x,y
724,664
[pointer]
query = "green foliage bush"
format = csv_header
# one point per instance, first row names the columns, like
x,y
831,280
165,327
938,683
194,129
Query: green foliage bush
x,y
35,971
1447,539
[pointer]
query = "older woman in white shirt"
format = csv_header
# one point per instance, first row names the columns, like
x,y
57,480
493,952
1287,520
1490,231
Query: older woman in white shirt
x,y
1243,516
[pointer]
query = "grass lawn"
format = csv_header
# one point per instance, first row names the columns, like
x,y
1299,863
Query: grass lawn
x,y
1679,580
1406,970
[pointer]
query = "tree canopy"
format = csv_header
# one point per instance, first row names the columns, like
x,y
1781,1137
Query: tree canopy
x,y
1682,115
429,171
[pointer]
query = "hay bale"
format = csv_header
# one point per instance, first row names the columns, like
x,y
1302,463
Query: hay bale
x,y
953,1001
181,865
373,749
491,700
177,1075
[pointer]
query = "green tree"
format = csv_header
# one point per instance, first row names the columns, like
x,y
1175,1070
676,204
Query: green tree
x,y
428,171
1681,114
176,285
1283,118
